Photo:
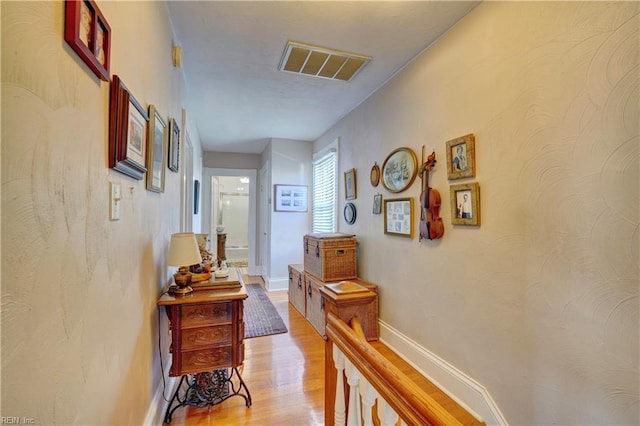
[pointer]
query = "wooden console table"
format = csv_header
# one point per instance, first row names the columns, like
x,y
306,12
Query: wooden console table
x,y
207,346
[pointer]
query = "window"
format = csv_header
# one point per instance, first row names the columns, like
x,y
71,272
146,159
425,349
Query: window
x,y
325,187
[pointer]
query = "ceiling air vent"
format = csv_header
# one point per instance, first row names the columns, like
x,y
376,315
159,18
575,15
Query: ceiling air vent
x,y
321,62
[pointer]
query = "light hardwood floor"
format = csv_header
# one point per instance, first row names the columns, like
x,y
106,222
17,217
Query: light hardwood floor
x,y
285,375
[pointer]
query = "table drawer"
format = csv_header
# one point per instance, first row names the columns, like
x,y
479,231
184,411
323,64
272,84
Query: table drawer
x,y
206,314
206,336
207,359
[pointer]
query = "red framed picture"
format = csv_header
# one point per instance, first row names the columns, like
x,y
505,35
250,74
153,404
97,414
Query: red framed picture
x,y
89,35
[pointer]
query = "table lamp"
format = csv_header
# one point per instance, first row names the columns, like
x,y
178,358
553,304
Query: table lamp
x,y
183,252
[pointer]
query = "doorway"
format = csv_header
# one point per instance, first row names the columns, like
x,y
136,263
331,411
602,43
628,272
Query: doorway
x,y
229,204
233,216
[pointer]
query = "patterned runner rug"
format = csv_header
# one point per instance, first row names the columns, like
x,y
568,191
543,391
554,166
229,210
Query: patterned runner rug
x,y
260,316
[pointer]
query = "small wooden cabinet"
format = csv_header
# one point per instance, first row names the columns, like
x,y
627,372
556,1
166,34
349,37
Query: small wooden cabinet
x,y
207,330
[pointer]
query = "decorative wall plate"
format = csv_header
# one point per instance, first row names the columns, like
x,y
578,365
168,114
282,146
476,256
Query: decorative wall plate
x,y
375,174
350,213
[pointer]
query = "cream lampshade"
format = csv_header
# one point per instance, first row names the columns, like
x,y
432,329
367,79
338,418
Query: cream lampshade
x,y
183,252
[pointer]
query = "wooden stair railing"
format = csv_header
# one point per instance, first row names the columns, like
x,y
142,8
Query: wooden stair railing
x,y
371,380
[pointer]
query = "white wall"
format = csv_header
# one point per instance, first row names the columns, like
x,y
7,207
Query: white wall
x,y
79,315
540,303
290,165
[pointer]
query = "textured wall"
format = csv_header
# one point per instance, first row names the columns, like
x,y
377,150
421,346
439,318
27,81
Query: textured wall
x,y
79,321
540,303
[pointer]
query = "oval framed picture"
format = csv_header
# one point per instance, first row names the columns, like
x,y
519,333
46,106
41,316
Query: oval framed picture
x,y
374,176
350,213
399,170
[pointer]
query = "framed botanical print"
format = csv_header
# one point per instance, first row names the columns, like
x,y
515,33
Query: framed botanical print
x,y
156,157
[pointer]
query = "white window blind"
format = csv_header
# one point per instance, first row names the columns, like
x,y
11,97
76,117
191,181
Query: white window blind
x,y
325,193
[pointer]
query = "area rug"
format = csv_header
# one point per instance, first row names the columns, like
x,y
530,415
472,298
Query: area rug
x,y
237,263
260,316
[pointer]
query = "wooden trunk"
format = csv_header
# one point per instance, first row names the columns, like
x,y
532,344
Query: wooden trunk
x,y
315,305
330,257
297,289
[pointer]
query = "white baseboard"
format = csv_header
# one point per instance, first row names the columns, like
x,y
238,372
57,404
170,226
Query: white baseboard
x,y
275,284
463,389
155,414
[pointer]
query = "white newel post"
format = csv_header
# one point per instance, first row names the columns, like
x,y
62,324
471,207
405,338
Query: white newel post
x,y
353,378
339,408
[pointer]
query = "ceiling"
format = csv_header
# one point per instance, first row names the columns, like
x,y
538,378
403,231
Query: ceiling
x,y
238,99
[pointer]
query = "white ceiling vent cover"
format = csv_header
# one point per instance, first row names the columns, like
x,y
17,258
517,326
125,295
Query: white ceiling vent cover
x,y
321,62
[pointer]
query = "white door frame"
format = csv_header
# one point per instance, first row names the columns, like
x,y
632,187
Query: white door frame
x,y
208,173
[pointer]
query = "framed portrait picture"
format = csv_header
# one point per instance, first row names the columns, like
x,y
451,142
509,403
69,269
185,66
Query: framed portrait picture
x,y
174,145
461,157
157,151
350,184
127,132
89,35
398,217
290,198
377,204
399,170
465,204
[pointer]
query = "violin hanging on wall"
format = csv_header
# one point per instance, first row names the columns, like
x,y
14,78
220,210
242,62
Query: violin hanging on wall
x,y
431,225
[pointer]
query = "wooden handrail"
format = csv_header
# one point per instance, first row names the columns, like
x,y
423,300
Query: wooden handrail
x,y
412,403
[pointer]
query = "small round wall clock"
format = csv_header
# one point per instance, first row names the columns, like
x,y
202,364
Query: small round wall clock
x,y
375,174
350,213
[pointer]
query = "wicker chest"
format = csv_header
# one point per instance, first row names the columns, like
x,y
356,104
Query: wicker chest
x,y
330,257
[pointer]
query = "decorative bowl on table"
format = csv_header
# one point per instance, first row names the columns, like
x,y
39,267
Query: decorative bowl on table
x,y
221,273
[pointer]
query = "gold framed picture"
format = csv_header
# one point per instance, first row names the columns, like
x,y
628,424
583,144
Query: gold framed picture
x,y
398,217
465,204
461,157
350,189
399,169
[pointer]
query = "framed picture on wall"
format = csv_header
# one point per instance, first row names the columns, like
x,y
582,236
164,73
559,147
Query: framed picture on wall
x,y
398,217
465,204
174,145
290,198
399,169
127,132
461,157
89,35
350,184
156,151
